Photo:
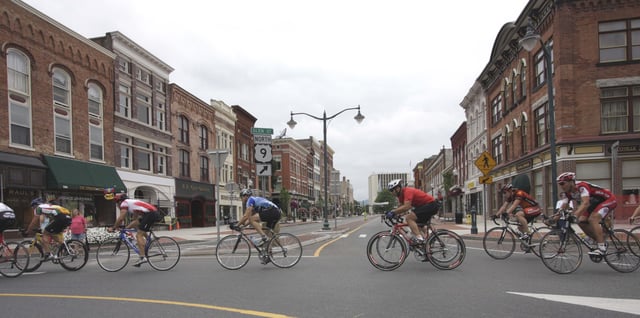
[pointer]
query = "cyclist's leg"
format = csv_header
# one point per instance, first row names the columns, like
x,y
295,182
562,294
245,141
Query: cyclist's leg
x,y
524,225
144,224
256,222
51,231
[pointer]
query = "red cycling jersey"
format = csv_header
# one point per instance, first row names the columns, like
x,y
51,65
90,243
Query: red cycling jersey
x,y
417,197
599,197
133,205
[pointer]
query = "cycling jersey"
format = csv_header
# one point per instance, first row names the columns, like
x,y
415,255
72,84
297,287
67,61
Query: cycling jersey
x,y
260,204
51,210
600,199
133,205
417,197
528,204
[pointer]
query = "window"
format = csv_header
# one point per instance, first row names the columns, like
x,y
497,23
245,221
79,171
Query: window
x,y
162,160
143,107
161,120
143,155
523,80
508,144
204,168
244,152
617,116
124,101
161,86
125,156
124,66
143,76
96,141
183,161
619,41
61,83
541,125
496,109
523,135
540,66
204,137
496,144
514,89
506,90
183,129
19,85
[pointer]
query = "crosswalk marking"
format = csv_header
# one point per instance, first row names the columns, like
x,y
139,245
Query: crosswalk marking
x,y
626,305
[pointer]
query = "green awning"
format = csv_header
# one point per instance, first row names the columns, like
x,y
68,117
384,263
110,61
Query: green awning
x,y
70,174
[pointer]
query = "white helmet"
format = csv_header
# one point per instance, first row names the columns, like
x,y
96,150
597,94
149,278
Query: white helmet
x,y
245,192
394,183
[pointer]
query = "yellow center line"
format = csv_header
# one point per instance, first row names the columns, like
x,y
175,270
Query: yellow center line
x,y
154,301
319,250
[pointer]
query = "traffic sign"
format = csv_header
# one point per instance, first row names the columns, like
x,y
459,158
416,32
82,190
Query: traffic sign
x,y
262,131
263,169
485,179
485,163
262,139
263,153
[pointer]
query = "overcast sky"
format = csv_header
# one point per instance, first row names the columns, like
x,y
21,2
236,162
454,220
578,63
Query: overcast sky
x,y
408,64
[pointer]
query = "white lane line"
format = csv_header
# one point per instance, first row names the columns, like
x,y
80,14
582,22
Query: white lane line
x,y
630,306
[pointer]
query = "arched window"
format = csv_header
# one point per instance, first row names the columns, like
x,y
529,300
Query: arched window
x,y
183,128
62,112
523,78
19,88
204,137
96,133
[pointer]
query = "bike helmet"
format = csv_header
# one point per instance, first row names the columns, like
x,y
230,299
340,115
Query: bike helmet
x,y
567,176
507,187
37,201
245,192
394,183
121,197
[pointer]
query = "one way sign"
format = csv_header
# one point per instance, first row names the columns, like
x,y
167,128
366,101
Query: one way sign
x,y
263,169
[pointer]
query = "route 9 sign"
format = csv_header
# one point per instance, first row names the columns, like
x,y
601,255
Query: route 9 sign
x,y
263,153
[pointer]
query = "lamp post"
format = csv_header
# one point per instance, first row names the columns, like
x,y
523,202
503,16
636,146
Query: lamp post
x,y
218,156
292,123
528,42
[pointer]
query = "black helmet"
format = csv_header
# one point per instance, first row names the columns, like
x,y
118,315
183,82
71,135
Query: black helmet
x,y
121,197
36,202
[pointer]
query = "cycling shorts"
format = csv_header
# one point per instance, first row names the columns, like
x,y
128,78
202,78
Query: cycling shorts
x,y
270,216
147,220
425,212
58,224
601,207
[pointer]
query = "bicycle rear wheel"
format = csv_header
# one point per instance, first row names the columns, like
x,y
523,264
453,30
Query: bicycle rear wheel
x,y
36,255
163,253
446,249
386,251
73,258
560,252
113,255
284,250
619,254
499,242
233,252
14,259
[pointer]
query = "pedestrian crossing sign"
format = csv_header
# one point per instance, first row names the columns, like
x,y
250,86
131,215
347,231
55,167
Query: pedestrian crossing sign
x,y
485,163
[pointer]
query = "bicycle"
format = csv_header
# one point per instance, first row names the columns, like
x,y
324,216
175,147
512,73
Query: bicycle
x,y
14,258
71,254
635,232
233,252
387,250
163,252
561,248
500,242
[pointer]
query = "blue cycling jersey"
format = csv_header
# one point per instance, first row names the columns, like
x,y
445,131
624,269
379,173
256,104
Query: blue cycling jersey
x,y
260,204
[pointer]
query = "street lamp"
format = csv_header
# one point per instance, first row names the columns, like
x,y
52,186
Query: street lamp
x,y
292,123
528,42
218,157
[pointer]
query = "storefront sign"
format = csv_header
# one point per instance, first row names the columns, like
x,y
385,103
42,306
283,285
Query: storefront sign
x,y
190,189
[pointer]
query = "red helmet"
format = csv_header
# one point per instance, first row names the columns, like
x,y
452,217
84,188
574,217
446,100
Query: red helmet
x,y
567,176
121,197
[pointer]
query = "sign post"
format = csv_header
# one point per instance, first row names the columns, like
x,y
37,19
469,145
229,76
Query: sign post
x,y
485,163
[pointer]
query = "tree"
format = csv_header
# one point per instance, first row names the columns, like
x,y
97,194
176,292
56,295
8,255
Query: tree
x,y
285,200
385,196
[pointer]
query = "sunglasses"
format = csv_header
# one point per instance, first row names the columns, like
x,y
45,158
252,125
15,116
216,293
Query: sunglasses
x,y
561,183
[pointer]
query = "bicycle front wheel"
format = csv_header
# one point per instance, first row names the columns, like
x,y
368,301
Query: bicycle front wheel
x,y
620,255
35,255
14,259
386,251
74,257
499,242
233,252
163,253
446,249
284,250
560,252
113,255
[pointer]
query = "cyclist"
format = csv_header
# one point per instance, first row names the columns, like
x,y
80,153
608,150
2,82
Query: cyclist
x,y
7,217
424,207
591,198
258,210
59,218
522,206
635,215
145,216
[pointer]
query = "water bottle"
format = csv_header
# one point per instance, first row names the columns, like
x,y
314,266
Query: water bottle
x,y
257,240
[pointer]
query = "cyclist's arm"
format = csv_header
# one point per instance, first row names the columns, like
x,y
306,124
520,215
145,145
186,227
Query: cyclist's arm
x,y
123,214
247,214
406,206
502,208
584,205
514,205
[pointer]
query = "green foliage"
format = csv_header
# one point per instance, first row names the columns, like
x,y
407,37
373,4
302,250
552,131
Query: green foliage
x,y
385,196
285,200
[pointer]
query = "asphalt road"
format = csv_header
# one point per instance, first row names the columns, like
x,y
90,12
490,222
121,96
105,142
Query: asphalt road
x,y
334,279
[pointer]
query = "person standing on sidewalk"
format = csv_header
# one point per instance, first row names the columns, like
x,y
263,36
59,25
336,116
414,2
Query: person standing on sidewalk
x,y
424,207
78,226
635,215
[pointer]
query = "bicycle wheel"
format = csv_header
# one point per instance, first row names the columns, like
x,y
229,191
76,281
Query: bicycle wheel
x,y
163,253
113,255
233,251
619,254
14,259
386,251
634,238
534,242
36,255
284,250
74,257
560,252
499,242
446,249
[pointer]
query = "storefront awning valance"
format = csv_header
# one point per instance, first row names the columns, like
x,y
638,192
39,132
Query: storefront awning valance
x,y
79,175
11,158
